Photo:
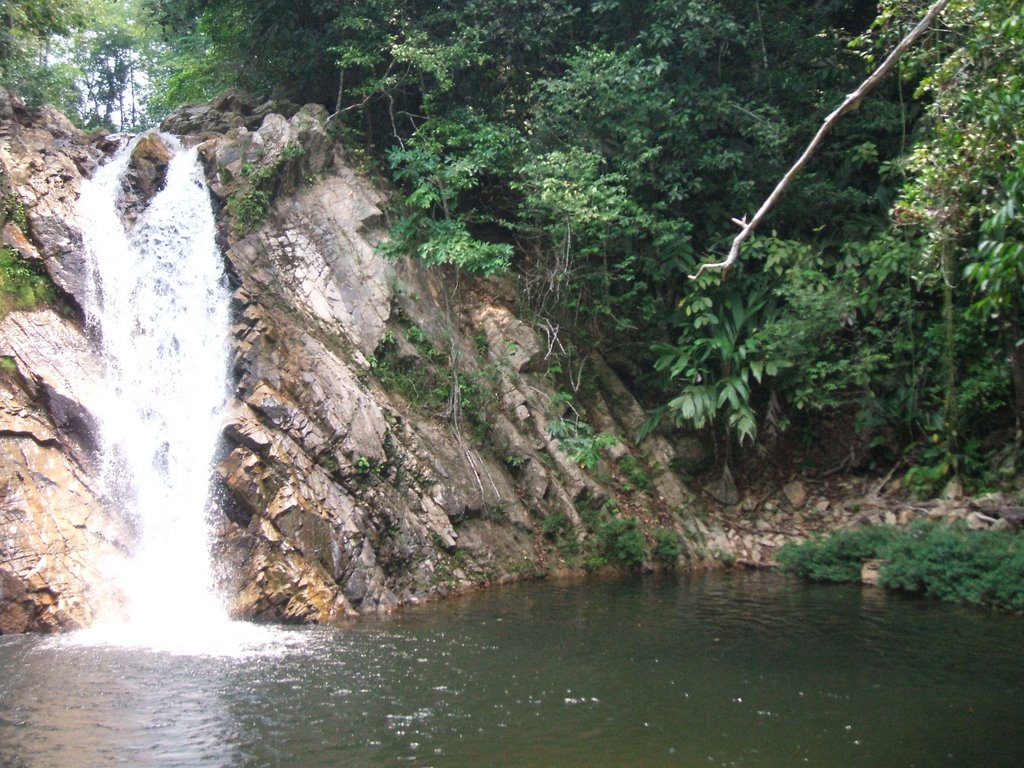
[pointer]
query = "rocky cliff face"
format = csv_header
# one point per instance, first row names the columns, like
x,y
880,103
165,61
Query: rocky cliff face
x,y
389,438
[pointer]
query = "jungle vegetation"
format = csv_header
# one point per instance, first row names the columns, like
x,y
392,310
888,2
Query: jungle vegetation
x,y
600,151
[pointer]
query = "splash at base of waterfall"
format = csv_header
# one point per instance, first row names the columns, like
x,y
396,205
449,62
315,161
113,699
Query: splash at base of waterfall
x,y
223,638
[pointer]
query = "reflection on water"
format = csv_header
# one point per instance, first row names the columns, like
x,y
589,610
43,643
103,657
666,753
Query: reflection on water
x,y
707,670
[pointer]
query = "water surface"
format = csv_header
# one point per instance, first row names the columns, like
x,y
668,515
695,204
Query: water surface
x,y
705,670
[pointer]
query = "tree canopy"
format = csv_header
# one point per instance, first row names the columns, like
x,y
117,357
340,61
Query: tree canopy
x,y
600,150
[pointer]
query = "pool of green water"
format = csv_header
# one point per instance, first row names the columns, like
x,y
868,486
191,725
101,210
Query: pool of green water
x,y
733,669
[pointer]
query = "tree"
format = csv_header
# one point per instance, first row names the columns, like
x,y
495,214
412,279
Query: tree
x,y
113,57
964,185
28,32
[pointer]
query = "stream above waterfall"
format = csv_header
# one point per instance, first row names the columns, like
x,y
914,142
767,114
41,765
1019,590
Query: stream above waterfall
x,y
708,669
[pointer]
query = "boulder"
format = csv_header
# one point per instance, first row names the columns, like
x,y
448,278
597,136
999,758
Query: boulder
x,y
795,494
869,572
231,109
724,489
692,454
147,171
43,158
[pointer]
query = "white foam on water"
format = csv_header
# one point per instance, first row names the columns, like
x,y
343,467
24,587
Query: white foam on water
x,y
224,639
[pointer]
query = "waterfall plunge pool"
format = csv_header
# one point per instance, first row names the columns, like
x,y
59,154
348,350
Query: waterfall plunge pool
x,y
733,669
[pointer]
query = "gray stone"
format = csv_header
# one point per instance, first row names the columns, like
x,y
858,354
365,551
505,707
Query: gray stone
x,y
724,489
869,572
795,493
976,521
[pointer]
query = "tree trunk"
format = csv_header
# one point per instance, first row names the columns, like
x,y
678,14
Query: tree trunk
x,y
949,409
1015,356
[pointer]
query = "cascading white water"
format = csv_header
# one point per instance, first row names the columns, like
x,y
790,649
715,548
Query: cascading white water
x,y
160,308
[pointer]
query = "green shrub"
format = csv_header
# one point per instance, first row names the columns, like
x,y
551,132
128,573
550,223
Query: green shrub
x,y
838,557
637,478
23,284
14,210
577,440
249,209
951,563
554,525
594,508
958,565
620,542
667,546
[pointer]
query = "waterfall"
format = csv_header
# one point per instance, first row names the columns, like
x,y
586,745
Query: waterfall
x,y
159,307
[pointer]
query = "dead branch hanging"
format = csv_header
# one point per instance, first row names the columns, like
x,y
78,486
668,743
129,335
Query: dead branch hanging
x,y
851,101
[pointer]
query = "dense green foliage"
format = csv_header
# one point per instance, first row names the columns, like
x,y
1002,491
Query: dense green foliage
x,y
601,149
948,562
838,557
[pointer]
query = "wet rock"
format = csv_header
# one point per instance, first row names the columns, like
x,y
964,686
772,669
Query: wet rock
x,y
147,172
57,541
60,370
869,572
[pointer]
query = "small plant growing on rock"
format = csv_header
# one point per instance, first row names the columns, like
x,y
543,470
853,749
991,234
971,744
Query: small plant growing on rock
x,y
667,547
515,463
368,469
577,439
726,558
554,525
23,284
637,478
14,210
620,542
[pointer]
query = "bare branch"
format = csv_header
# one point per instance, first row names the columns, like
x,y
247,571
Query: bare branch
x,y
851,101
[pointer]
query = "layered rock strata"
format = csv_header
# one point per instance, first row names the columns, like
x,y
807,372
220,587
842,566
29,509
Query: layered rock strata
x,y
388,440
